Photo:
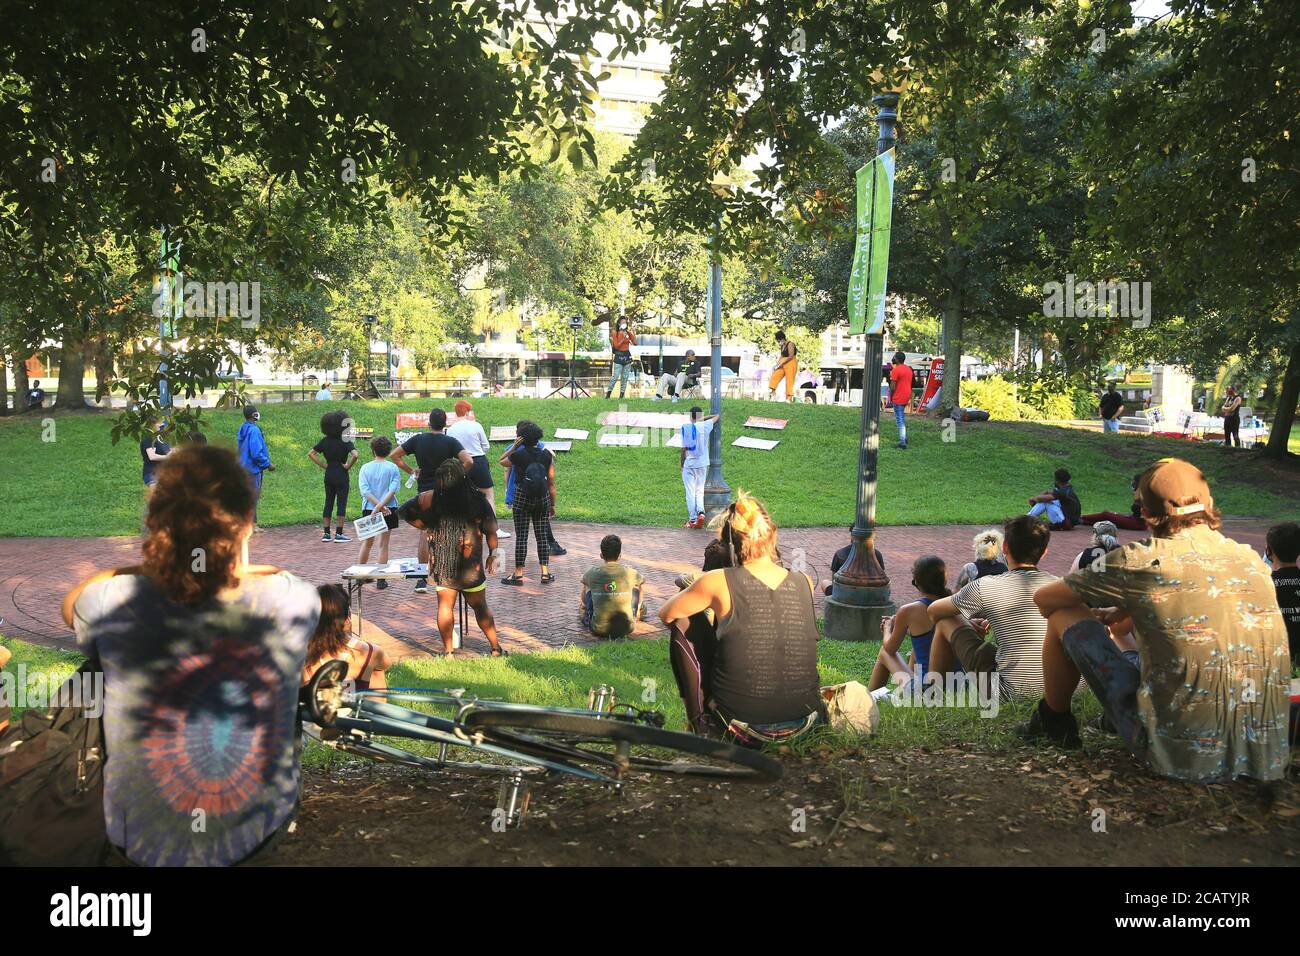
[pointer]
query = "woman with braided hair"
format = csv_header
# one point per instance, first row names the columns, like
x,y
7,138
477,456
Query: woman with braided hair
x,y
762,668
456,517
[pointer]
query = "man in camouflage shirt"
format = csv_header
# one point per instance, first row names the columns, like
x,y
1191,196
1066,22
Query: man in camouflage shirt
x,y
1211,700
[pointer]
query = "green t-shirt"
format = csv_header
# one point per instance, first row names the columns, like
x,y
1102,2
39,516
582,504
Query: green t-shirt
x,y
1214,693
612,610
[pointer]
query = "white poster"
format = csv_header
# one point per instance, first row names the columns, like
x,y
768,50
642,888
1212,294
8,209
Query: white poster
x,y
370,526
744,441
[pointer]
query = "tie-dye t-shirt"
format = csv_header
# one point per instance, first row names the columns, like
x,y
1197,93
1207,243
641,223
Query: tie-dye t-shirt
x,y
1214,693
200,714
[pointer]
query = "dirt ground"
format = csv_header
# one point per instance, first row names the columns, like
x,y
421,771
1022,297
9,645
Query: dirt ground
x,y
871,807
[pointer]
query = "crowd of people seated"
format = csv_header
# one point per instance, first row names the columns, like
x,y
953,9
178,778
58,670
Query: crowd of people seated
x,y
1185,637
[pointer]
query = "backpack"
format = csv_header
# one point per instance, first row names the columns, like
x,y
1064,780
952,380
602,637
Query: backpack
x,y
52,785
535,485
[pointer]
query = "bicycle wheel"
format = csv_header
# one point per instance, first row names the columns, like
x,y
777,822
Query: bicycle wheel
x,y
619,745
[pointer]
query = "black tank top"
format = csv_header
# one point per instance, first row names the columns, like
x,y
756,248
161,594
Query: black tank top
x,y
765,670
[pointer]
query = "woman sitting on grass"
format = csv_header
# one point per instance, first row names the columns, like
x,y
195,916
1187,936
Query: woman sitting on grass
x,y
763,670
456,517
202,657
332,642
930,577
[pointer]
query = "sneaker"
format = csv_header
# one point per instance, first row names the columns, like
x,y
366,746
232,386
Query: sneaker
x,y
421,585
502,533
325,536
1100,724
700,520
340,536
690,523
556,550
656,397
903,445
674,399
1059,729
381,584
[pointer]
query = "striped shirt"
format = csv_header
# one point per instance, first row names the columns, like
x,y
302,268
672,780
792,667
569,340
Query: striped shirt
x,y
1007,602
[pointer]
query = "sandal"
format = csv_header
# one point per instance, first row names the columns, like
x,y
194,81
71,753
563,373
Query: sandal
x,y
499,651
511,579
547,578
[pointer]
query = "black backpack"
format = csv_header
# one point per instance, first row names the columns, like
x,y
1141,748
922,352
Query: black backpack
x,y
52,785
536,487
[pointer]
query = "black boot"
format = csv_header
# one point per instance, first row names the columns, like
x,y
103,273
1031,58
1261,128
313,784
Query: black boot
x,y
1060,729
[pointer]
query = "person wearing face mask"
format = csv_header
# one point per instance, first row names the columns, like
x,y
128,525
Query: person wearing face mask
x,y
253,453
621,341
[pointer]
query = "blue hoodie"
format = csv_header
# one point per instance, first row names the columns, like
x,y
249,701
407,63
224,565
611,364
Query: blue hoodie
x,y
252,449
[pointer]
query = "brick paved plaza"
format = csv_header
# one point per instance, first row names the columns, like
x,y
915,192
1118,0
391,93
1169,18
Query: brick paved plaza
x,y
35,573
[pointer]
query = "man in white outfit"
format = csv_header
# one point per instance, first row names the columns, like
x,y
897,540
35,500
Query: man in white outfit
x,y
695,464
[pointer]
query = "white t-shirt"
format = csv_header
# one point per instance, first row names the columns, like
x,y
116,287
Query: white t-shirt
x,y
699,458
471,436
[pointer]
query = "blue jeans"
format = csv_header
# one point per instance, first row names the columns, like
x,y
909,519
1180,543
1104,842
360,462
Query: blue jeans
x,y
900,420
1113,676
1110,424
621,374
1052,509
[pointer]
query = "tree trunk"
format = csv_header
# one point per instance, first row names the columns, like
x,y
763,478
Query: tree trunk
x,y
952,339
72,369
1286,404
21,384
103,368
4,385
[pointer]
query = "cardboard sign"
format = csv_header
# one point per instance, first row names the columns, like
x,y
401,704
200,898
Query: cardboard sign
x,y
572,433
502,433
371,526
744,441
755,422
625,439
419,421
559,446
644,419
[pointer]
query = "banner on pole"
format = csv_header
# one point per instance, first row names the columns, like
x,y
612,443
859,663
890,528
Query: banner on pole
x,y
867,281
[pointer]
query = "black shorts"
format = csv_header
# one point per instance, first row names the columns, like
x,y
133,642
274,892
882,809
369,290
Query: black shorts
x,y
480,475
390,519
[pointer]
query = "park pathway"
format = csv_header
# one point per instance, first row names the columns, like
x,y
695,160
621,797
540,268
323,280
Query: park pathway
x,y
35,573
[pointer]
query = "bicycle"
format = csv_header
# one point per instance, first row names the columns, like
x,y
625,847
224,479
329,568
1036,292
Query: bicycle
x,y
518,742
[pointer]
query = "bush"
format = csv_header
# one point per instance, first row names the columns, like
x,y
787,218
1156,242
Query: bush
x,y
1031,402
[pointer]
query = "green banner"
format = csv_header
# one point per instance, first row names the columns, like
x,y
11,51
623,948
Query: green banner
x,y
867,281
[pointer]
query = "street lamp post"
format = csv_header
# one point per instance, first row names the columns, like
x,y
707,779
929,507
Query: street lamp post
x,y
860,589
717,493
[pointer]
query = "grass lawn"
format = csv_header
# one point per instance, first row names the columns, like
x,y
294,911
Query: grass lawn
x,y
81,484
640,674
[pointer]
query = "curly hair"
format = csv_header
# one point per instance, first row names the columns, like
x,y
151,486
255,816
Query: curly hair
x,y
199,513
988,544
333,423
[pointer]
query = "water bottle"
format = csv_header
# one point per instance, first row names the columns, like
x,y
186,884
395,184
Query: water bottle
x,y
410,482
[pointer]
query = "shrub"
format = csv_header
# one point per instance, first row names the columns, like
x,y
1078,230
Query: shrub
x,y
1031,402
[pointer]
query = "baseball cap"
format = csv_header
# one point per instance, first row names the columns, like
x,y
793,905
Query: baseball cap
x,y
463,408
1174,487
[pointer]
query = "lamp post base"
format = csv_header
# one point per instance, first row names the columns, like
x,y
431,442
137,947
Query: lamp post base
x,y
855,622
717,497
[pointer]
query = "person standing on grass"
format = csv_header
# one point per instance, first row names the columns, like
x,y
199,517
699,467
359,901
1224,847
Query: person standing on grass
x,y
1282,549
695,463
1111,407
153,450
611,593
379,482
430,449
253,453
1232,418
455,518
336,457
621,341
534,501
900,394
787,366
1210,698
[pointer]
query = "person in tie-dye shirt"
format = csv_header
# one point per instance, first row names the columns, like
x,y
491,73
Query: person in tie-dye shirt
x,y
1211,699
